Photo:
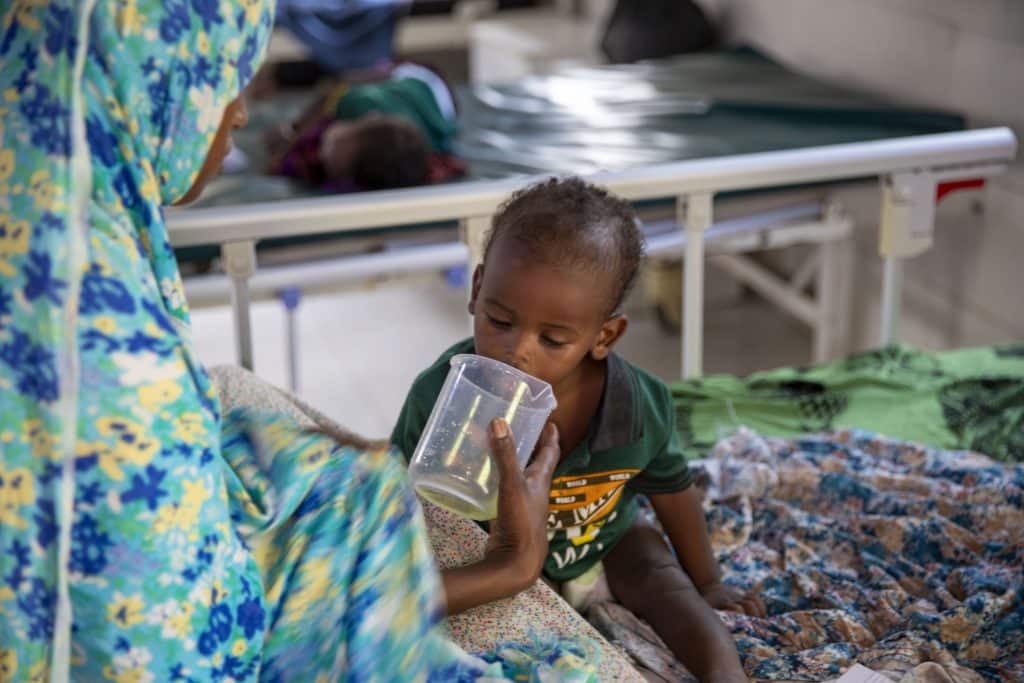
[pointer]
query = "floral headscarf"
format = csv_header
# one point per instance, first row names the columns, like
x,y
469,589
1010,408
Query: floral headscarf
x,y
107,112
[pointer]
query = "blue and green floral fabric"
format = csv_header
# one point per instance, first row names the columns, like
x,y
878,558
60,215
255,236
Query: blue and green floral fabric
x,y
143,535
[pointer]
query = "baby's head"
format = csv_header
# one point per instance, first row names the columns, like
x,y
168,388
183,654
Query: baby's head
x,y
375,152
559,260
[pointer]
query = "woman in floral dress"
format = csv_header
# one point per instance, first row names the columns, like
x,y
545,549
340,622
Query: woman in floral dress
x,y
143,535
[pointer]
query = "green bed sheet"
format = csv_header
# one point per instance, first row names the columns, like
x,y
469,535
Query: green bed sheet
x,y
966,399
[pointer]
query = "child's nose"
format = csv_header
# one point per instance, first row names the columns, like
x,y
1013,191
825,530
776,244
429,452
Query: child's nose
x,y
519,353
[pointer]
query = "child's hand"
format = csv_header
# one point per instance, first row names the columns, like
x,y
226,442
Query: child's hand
x,y
724,597
519,536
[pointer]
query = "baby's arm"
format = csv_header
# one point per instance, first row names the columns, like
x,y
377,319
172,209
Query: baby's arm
x,y
682,518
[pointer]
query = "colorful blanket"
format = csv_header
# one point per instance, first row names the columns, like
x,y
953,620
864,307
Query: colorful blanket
x,y
865,550
966,399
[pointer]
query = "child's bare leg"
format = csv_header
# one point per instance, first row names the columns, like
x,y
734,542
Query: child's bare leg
x,y
646,578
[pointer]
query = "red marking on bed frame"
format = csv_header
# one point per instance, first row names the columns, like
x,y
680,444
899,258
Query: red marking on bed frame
x,y
945,188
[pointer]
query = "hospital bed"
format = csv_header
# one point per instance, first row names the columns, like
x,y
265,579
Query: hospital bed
x,y
678,183
683,138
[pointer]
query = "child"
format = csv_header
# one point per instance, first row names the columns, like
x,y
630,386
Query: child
x,y
393,132
557,265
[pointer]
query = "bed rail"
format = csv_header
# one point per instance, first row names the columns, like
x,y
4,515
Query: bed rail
x,y
909,168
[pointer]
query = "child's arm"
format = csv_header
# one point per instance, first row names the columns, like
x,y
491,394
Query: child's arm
x,y
647,579
682,518
518,542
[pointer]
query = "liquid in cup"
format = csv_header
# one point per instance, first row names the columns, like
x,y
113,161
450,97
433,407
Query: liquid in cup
x,y
452,465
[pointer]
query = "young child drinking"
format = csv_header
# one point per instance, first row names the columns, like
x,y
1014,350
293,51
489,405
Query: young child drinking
x,y
558,262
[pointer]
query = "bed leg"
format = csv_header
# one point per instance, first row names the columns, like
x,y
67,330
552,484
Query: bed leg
x,y
892,289
905,230
240,263
825,322
291,297
473,231
831,327
694,212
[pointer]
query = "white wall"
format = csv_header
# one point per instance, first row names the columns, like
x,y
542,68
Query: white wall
x,y
516,43
962,55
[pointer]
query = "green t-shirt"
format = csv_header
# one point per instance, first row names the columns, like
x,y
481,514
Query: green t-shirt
x,y
407,98
631,448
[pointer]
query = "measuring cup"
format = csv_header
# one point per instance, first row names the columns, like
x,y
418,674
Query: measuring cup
x,y
452,465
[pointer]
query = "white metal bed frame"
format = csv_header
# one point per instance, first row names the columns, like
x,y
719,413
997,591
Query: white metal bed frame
x,y
290,271
910,170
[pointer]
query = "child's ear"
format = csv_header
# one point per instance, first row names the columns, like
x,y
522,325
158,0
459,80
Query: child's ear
x,y
478,276
611,331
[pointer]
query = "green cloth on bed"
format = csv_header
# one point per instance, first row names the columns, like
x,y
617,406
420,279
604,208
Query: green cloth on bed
x,y
966,399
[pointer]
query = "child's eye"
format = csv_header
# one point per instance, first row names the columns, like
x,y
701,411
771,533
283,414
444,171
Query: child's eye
x,y
554,343
498,323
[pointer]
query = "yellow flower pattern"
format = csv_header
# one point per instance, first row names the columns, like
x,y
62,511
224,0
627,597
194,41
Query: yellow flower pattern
x,y
14,239
127,444
184,514
40,672
129,20
125,611
189,427
8,664
180,622
6,163
17,489
44,442
105,324
155,395
43,190
24,12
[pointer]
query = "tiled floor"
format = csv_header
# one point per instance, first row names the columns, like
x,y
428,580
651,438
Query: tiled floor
x,y
360,349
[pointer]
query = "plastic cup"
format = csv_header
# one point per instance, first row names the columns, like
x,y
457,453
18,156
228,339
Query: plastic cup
x,y
452,465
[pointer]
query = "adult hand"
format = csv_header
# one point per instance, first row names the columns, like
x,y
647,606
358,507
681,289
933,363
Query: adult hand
x,y
724,597
519,535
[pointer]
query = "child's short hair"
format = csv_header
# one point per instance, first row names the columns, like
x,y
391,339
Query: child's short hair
x,y
566,221
392,153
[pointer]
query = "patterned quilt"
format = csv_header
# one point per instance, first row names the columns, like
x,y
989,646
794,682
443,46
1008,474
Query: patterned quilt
x,y
903,558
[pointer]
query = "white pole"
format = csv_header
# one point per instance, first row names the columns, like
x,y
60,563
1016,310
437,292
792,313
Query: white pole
x,y
825,326
473,231
892,289
269,281
240,264
694,212
243,322
291,297
293,351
